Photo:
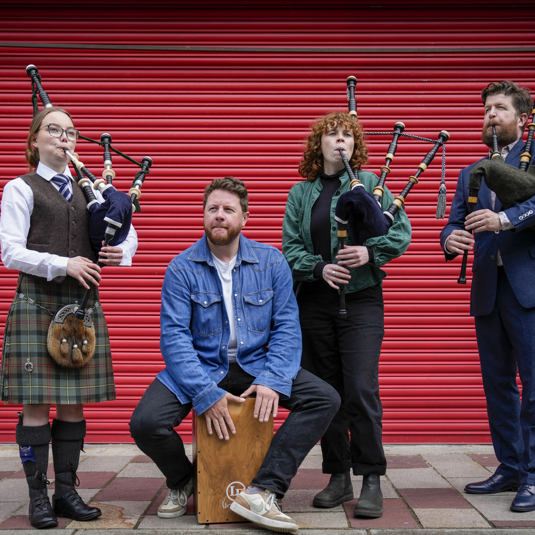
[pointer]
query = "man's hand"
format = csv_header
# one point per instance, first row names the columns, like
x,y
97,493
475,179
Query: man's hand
x,y
218,417
267,401
459,241
482,220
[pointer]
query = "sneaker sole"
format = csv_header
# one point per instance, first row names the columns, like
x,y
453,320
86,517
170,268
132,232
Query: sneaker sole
x,y
280,527
171,515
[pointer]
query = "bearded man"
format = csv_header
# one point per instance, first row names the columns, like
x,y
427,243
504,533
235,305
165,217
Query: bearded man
x,y
230,330
502,297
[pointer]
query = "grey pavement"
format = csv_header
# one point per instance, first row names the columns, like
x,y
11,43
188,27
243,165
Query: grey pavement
x,y
423,491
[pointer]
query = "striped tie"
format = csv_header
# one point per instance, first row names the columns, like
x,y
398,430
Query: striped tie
x,y
64,187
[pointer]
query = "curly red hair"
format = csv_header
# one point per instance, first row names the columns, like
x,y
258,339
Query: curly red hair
x,y
311,164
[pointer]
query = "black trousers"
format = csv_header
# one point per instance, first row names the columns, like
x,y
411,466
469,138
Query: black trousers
x,y
345,353
312,405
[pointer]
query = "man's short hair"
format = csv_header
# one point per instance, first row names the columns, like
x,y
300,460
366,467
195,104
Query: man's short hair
x,y
521,97
231,184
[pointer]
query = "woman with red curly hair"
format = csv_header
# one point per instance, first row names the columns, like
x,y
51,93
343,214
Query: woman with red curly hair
x,y
342,351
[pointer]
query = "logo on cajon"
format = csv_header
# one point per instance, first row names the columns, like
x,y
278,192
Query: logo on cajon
x,y
233,489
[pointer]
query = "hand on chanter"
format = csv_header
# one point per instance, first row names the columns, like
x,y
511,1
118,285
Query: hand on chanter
x,y
84,270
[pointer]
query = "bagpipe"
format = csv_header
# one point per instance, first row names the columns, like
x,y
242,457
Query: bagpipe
x,y
358,211
511,184
71,335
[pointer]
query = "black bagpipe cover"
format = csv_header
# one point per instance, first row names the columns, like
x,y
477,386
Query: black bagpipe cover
x,y
362,214
117,206
510,184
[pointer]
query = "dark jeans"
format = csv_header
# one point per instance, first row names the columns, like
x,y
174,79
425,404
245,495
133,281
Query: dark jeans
x,y
313,403
345,353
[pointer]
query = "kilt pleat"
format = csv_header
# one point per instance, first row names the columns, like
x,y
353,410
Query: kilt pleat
x,y
28,375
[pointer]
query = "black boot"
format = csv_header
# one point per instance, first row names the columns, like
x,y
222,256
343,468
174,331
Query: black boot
x,y
67,442
33,449
338,490
370,503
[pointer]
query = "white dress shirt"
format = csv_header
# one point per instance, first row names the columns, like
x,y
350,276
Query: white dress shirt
x,y
17,208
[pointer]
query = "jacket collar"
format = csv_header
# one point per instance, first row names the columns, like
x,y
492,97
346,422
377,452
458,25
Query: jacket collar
x,y
200,252
344,180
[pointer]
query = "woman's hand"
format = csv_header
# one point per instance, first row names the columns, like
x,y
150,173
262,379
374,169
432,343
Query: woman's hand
x,y
353,256
83,270
334,274
110,255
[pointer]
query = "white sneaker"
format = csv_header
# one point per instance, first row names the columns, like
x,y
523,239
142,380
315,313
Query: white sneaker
x,y
262,509
176,503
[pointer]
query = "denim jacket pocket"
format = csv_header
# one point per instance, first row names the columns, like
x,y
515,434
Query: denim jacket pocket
x,y
258,310
206,313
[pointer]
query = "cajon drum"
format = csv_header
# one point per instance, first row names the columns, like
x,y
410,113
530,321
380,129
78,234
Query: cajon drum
x,y
225,467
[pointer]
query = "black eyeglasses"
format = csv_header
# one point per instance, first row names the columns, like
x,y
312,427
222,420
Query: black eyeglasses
x,y
56,131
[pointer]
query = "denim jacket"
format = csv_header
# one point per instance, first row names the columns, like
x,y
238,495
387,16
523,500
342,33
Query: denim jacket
x,y
195,328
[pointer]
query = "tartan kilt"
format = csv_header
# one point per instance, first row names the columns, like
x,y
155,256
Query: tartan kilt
x,y
28,374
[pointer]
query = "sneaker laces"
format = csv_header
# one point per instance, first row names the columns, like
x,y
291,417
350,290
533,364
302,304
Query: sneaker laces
x,y
179,495
271,501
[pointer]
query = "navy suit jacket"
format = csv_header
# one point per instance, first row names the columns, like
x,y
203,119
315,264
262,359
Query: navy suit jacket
x,y
516,246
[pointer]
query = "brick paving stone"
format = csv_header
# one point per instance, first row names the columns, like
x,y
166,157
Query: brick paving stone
x,y
301,500
141,459
94,480
307,478
406,478
434,498
515,524
450,518
406,461
396,514
130,489
321,519
485,459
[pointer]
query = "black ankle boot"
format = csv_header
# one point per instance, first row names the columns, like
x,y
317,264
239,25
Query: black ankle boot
x,y
67,442
339,490
69,504
370,503
40,511
33,450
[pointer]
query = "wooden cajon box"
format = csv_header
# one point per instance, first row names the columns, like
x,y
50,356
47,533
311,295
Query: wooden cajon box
x,y
224,467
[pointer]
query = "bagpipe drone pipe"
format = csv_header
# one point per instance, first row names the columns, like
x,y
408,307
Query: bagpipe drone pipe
x,y
358,212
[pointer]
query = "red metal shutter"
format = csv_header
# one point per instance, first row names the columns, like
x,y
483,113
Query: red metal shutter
x,y
208,94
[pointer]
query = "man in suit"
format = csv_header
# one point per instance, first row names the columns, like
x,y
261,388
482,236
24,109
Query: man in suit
x,y
502,297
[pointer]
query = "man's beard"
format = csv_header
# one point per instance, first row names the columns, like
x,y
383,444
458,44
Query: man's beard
x,y
218,239
506,135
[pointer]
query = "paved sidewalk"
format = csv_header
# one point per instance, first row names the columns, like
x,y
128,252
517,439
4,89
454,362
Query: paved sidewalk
x,y
422,490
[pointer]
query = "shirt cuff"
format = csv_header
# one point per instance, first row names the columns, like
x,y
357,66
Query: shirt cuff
x,y
318,270
505,224
446,250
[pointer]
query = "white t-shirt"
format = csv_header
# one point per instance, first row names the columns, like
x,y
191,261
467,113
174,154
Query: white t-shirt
x,y
225,276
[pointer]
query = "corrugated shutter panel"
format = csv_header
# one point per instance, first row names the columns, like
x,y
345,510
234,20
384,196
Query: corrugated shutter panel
x,y
208,94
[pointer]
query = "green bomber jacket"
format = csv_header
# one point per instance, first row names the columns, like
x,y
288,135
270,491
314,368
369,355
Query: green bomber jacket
x,y
297,240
